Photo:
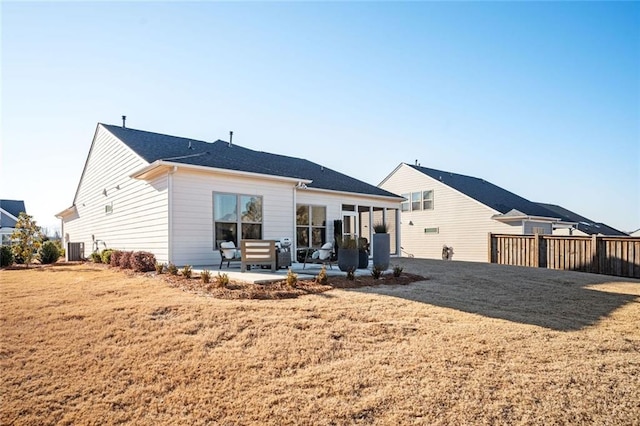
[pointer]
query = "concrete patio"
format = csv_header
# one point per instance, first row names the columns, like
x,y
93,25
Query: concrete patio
x,y
265,276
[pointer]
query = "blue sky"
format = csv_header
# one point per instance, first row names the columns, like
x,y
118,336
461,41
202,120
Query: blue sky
x,y
542,99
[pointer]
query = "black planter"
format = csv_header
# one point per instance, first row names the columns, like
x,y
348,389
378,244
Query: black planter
x,y
363,259
348,259
381,251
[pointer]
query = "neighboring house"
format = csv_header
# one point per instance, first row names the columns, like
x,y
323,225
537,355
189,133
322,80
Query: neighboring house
x,y
179,198
635,233
458,211
574,224
9,212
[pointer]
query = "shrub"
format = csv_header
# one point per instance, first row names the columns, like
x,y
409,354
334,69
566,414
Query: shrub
x,y
205,276
159,267
61,250
292,278
125,260
348,242
322,277
48,252
186,271
172,269
96,257
106,256
142,261
115,258
380,228
376,272
18,259
6,256
397,271
351,274
222,280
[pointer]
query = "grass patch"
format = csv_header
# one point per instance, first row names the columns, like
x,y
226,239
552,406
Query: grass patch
x,y
85,343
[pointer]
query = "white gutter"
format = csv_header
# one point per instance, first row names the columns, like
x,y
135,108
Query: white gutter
x,y
65,212
504,218
8,214
139,174
358,194
294,245
170,212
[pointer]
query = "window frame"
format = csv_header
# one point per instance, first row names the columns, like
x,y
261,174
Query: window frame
x,y
405,206
416,201
311,230
427,199
237,229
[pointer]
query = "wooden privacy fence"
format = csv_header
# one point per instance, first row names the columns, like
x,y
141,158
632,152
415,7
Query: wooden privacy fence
x,y
618,256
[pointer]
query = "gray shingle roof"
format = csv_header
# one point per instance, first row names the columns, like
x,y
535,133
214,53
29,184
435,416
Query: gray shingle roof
x,y
585,225
487,193
13,207
154,146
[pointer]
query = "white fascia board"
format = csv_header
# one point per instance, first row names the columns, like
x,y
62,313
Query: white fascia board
x,y
503,218
66,212
8,214
391,174
396,198
565,225
161,165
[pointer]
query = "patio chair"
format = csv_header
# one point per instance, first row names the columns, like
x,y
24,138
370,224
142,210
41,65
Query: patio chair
x,y
229,253
324,255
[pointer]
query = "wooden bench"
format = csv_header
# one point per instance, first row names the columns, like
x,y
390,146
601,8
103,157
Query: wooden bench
x,y
258,252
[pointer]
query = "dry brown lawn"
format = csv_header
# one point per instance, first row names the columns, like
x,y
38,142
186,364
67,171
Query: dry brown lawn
x,y
473,344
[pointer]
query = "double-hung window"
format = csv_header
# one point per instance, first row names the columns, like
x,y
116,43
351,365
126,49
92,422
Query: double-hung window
x,y
416,201
427,200
311,225
405,206
229,225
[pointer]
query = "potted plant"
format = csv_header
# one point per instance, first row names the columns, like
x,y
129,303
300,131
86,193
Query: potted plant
x,y
381,246
363,253
348,254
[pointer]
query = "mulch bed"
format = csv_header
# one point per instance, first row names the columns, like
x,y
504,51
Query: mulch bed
x,y
280,289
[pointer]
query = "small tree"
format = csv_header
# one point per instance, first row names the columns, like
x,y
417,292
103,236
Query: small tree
x,y
27,238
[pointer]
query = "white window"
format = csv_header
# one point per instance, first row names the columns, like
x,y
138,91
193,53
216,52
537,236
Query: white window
x,y
227,221
427,200
416,201
311,225
405,206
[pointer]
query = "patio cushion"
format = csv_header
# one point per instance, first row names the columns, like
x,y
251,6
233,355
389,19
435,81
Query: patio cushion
x,y
325,251
229,250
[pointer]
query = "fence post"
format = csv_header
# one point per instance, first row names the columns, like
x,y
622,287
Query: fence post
x,y
536,250
490,245
595,261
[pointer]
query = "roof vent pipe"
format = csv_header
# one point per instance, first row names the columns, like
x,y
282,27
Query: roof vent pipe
x,y
230,137
124,119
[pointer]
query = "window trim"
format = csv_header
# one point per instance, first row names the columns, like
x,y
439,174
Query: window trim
x,y
310,226
425,200
238,213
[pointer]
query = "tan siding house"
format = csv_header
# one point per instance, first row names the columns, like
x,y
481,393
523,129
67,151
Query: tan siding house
x,y
447,209
179,198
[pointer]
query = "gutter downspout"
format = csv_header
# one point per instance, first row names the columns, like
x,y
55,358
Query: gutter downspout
x,y
294,245
170,212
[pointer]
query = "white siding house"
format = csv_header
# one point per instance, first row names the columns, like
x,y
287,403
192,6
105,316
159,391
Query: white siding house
x,y
444,208
9,213
179,198
110,209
